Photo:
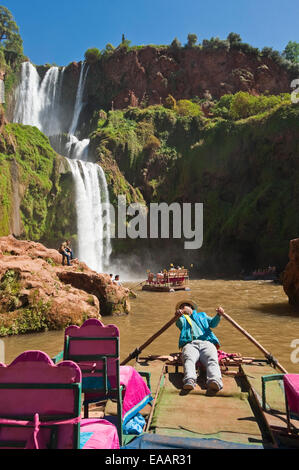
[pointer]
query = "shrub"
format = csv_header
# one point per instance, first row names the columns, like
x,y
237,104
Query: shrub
x,y
291,52
187,108
152,144
222,108
109,47
267,51
176,44
215,43
92,55
125,43
244,105
234,38
170,102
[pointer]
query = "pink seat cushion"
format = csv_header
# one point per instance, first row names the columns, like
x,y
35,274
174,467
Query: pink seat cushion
x,y
98,434
291,385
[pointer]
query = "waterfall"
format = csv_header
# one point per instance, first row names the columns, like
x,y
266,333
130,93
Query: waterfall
x,y
79,100
27,97
93,244
38,103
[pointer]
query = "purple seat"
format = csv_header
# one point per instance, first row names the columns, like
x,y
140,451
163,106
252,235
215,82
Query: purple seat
x,y
95,348
40,407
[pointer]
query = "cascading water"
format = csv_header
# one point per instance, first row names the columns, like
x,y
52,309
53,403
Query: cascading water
x,y
93,243
38,103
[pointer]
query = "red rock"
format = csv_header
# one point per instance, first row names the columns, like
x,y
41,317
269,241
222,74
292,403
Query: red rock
x,y
291,274
158,72
65,294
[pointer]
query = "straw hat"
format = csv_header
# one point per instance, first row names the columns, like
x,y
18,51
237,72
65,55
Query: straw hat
x,y
189,302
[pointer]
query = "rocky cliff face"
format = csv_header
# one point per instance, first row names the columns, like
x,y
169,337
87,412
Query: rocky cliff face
x,y
291,274
38,293
244,172
146,76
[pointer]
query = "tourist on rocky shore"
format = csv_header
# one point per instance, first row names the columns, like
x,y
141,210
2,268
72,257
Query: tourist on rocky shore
x,y
117,281
66,252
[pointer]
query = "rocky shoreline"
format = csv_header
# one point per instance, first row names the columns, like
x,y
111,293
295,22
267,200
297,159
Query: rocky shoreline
x,y
37,293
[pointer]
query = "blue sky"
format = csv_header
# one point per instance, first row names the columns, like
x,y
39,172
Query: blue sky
x,y
60,31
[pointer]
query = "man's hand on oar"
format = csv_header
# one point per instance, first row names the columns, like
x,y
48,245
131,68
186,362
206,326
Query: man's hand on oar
x,y
220,311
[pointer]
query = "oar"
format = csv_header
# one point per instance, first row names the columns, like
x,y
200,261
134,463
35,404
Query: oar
x,y
137,351
254,341
134,287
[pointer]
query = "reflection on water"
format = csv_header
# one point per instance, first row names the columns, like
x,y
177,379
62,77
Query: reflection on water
x,y
260,307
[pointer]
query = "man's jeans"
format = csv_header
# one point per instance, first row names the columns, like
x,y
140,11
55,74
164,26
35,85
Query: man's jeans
x,y
67,257
206,352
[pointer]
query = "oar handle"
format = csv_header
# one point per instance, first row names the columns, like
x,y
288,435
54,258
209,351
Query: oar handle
x,y
254,341
134,287
137,351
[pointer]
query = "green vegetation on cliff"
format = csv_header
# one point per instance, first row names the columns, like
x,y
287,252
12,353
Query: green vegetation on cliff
x,y
288,59
241,162
36,188
29,318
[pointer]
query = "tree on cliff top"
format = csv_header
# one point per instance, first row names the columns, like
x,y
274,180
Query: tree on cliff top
x,y
10,38
192,40
291,52
176,44
92,55
234,38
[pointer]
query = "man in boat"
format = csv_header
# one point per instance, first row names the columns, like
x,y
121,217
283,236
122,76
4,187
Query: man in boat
x,y
198,342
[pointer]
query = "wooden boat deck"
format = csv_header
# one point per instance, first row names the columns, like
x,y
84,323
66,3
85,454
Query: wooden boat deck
x,y
226,416
234,415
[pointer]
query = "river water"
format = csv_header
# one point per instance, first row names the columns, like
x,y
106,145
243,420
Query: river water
x,y
260,307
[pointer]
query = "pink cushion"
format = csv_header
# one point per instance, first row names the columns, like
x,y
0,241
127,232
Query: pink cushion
x,y
100,434
291,385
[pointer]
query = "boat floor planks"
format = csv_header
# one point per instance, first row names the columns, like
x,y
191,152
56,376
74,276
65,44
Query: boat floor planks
x,y
226,416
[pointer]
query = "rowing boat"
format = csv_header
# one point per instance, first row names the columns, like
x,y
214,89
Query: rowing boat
x,y
233,418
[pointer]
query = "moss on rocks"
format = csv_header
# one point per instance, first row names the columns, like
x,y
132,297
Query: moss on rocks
x,y
43,185
244,171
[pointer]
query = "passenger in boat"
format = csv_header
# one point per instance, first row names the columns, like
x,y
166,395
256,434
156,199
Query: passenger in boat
x,y
64,251
198,342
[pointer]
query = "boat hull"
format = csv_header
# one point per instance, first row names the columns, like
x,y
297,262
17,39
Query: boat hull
x,y
163,288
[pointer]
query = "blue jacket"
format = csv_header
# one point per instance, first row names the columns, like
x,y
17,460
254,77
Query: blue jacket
x,y
204,323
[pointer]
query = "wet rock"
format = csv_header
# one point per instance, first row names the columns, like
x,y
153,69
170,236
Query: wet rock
x,y
291,274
